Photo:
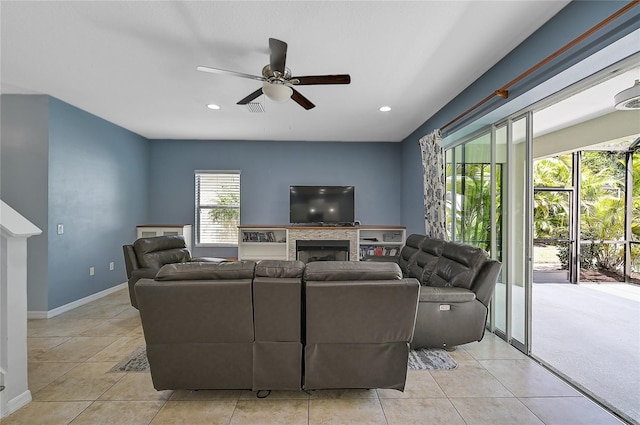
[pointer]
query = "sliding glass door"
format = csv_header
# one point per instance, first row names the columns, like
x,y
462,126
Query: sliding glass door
x,y
488,205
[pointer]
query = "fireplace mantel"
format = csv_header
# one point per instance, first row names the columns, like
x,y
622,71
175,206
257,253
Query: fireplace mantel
x,y
302,233
262,242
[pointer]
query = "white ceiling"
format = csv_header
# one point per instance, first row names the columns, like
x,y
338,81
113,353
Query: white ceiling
x,y
134,63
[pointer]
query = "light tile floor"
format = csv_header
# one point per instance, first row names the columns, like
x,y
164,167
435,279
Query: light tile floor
x,y
70,355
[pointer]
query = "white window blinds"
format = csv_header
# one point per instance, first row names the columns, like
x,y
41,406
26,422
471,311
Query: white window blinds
x,y
217,207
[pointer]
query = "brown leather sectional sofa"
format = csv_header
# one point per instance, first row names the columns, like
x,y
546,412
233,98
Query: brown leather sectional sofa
x,y
284,325
278,325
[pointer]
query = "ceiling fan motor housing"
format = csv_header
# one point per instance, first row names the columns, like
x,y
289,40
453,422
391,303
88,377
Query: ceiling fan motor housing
x,y
277,76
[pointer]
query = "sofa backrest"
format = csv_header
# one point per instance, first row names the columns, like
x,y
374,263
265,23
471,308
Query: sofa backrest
x,y
358,302
441,263
155,252
277,300
182,307
423,262
243,269
458,266
411,246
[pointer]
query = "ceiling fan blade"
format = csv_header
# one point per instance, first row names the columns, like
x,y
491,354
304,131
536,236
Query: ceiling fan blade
x,y
322,79
232,73
301,100
252,96
278,55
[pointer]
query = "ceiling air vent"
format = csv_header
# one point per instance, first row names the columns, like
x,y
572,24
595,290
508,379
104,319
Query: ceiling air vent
x,y
255,107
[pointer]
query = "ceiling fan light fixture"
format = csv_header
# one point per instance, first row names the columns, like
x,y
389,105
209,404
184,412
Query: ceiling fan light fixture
x,y
628,99
384,108
213,106
276,91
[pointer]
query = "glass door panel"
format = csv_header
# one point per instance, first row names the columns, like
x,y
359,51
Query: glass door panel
x,y
519,184
553,242
500,306
473,190
602,216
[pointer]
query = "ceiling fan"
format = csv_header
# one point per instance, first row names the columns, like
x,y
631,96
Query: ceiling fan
x,y
277,81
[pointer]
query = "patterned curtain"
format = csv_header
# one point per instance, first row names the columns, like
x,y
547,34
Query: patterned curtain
x,y
434,185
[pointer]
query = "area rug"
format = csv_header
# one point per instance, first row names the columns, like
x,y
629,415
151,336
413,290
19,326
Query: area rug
x,y
423,359
134,362
431,359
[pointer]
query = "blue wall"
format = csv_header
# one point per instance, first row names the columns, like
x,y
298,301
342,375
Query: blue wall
x,y
267,171
573,20
98,190
24,168
61,165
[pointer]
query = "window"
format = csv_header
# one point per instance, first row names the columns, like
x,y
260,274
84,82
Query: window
x,y
217,207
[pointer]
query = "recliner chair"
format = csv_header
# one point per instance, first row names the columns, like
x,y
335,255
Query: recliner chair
x,y
198,325
359,319
457,282
146,256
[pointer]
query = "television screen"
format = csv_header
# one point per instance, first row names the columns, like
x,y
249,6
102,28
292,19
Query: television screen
x,y
321,204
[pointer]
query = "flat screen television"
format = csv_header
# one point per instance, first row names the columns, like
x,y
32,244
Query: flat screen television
x,y
321,205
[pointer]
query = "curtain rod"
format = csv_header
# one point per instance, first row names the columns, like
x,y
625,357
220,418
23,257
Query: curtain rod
x,y
503,92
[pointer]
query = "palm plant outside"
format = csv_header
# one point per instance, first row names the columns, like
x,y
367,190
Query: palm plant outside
x,y
602,209
472,204
601,206
226,214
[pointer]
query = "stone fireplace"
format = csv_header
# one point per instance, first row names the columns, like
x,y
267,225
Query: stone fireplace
x,y
330,234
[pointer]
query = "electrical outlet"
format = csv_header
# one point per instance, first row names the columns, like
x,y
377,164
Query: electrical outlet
x,y
112,266
92,271
60,229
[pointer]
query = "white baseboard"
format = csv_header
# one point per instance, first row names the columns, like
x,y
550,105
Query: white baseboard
x,y
64,308
17,402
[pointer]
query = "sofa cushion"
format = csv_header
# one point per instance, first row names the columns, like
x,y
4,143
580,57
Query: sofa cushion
x,y
207,271
436,294
279,269
351,270
457,266
157,251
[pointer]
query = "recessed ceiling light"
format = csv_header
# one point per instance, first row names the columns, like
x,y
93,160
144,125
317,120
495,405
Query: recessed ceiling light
x,y
213,106
384,108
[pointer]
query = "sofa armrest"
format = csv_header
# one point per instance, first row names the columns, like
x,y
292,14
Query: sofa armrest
x,y
485,281
143,273
130,259
436,294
